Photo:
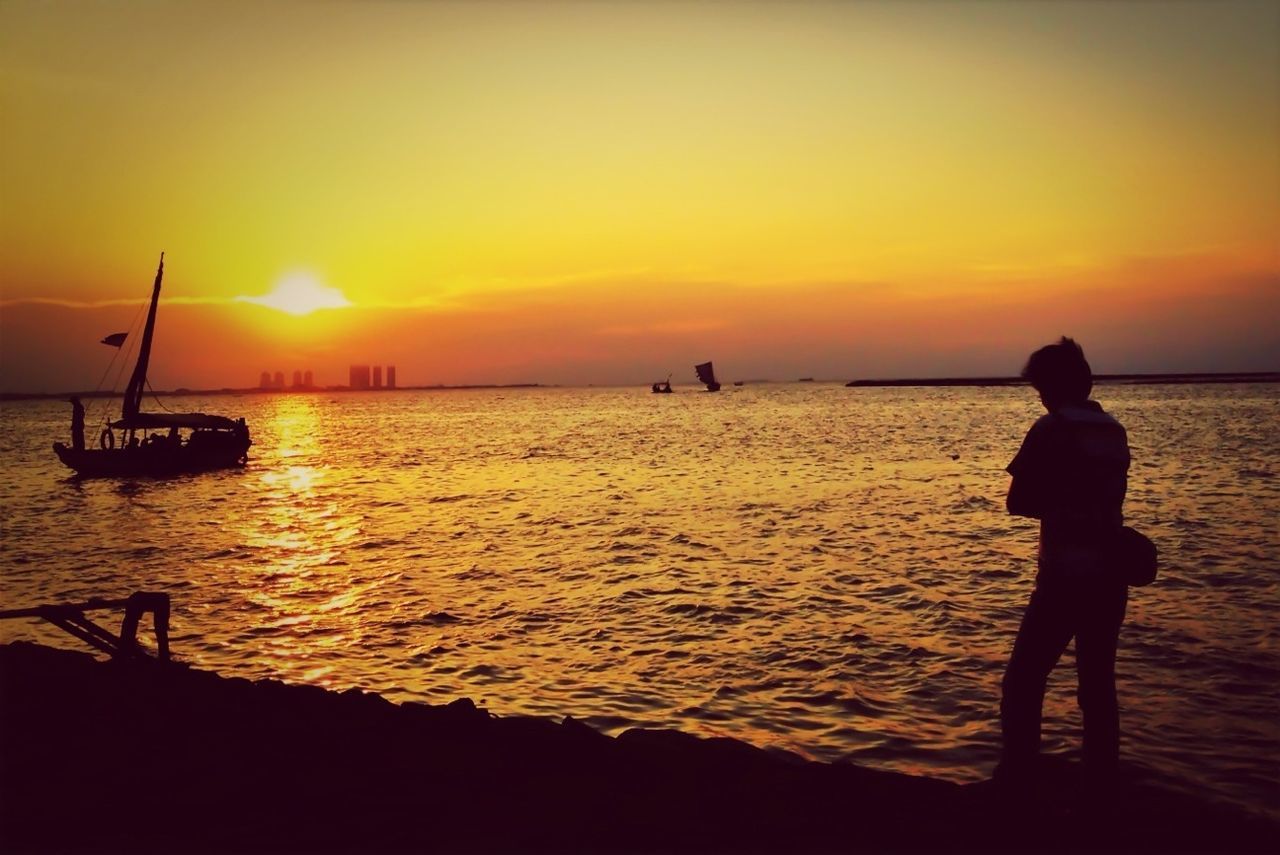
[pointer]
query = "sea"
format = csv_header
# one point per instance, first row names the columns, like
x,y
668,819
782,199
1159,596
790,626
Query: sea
x,y
810,568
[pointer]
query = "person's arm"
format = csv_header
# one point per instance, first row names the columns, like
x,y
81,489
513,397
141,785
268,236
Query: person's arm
x,y
1029,491
1025,498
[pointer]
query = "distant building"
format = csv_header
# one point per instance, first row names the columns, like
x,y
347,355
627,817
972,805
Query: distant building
x,y
391,376
297,379
279,380
359,377
264,382
377,376
308,380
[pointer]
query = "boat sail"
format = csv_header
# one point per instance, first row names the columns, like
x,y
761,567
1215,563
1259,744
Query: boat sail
x,y
214,442
707,374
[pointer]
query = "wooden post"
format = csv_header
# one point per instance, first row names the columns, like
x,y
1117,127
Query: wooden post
x,y
69,617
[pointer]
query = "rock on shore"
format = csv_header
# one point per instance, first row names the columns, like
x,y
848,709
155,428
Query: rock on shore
x,y
114,756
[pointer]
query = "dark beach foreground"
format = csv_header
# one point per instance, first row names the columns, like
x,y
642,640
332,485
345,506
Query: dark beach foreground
x,y
111,756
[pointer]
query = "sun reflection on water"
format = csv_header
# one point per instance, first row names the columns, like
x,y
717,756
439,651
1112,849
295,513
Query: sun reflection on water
x,y
299,579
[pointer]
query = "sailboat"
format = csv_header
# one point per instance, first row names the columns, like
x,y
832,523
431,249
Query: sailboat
x,y
125,449
707,374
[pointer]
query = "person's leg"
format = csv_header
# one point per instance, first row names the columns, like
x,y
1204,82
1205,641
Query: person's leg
x,y
1045,631
1096,640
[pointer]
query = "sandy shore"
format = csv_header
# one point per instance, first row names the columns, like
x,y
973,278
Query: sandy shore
x,y
105,756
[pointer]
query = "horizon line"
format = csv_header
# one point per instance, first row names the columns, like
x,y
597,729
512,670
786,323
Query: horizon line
x,y
1152,378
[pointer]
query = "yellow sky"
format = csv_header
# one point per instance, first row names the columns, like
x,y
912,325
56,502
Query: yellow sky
x,y
445,159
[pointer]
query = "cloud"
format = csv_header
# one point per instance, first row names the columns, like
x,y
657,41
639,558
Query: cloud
x,y
1142,314
109,302
664,328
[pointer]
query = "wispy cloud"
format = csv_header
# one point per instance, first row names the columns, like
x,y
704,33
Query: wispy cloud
x,y
410,303
664,328
109,302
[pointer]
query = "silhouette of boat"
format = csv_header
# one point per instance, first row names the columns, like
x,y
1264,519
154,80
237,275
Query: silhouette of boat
x,y
707,374
214,442
662,386
738,382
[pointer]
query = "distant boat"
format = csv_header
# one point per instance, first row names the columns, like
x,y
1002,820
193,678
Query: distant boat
x,y
805,380
214,442
662,386
737,382
707,374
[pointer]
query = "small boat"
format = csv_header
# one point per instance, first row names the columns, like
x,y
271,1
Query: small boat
x,y
707,374
662,386
126,450
738,382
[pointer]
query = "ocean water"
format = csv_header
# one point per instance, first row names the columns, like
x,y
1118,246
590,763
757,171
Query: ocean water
x,y
807,567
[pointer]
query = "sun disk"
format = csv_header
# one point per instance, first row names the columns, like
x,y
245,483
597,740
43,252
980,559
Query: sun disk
x,y
300,294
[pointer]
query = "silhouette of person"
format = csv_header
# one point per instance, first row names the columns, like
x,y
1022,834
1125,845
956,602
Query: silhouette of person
x,y
77,424
1071,474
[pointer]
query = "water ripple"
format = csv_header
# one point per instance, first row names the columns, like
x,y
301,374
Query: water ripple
x,y
823,570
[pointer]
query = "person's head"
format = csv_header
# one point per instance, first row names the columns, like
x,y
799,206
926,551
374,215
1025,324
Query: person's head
x,y
1060,373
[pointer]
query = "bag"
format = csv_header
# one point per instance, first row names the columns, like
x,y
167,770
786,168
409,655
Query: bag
x,y
1132,557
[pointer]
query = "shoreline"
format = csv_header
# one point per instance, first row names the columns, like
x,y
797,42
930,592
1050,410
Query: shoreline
x,y
112,755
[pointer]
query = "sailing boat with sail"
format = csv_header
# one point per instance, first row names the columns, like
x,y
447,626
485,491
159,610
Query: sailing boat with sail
x,y
213,442
707,374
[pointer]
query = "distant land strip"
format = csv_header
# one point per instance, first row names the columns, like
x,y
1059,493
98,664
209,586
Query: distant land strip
x,y
1132,379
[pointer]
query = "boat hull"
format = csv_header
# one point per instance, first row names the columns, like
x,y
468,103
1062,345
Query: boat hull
x,y
154,461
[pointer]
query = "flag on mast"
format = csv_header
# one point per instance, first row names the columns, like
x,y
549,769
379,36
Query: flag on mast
x,y
115,339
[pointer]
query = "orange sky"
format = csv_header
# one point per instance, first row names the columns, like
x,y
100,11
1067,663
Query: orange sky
x,y
608,192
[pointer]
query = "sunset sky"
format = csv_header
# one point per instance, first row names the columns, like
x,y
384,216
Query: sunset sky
x,y
609,192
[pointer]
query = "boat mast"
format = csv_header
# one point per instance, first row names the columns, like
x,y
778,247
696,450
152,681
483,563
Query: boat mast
x,y
133,393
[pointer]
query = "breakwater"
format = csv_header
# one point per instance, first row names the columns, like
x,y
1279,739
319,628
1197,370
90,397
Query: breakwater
x,y
116,756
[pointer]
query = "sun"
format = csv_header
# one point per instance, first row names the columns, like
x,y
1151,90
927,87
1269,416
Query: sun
x,y
300,294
